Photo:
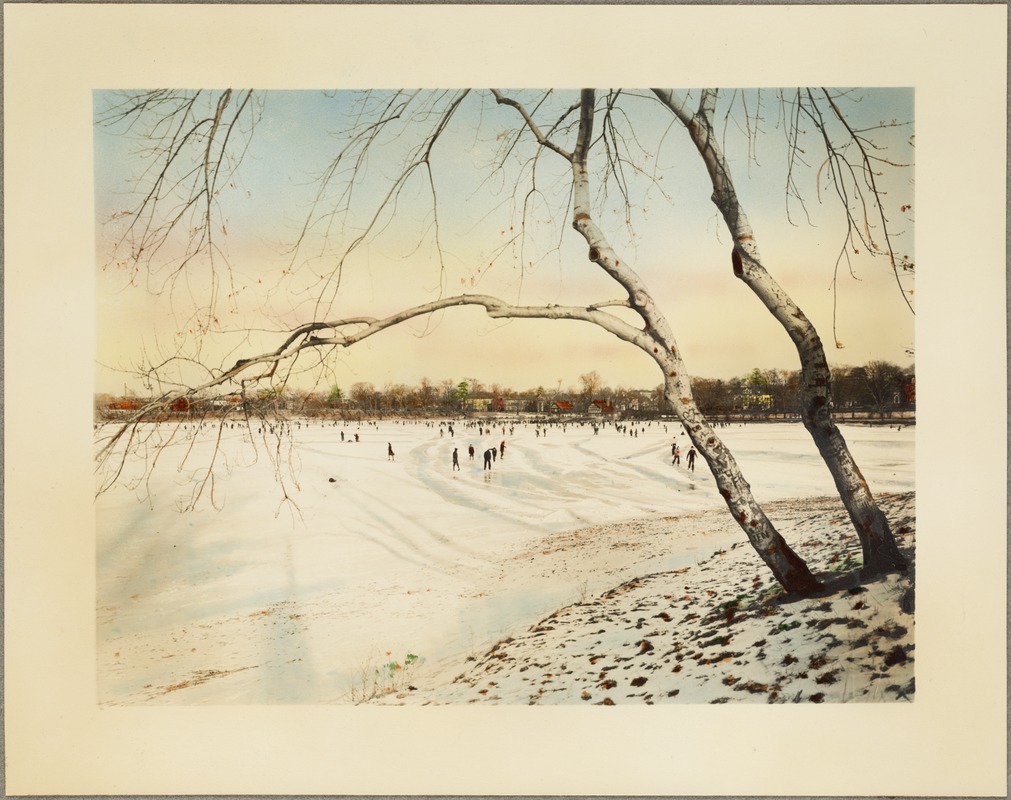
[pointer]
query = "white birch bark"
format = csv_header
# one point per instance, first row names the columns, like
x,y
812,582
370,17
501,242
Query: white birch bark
x,y
657,340
880,552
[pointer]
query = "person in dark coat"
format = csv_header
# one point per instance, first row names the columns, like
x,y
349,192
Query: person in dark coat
x,y
487,458
389,452
456,458
691,459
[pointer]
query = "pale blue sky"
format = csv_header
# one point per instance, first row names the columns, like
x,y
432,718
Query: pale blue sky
x,y
675,239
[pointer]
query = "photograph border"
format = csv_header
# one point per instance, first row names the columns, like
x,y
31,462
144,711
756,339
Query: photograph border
x,y
950,741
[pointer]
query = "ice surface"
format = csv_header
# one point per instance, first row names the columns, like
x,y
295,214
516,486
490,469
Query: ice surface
x,y
299,600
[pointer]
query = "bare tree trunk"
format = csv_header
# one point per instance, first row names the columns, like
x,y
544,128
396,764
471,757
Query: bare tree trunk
x,y
880,551
788,568
658,341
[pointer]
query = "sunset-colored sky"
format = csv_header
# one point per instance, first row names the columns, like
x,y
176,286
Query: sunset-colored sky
x,y
670,231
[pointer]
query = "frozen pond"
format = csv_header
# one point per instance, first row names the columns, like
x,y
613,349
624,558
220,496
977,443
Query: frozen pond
x,y
327,558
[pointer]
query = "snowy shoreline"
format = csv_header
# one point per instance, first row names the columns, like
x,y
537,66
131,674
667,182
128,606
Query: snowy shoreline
x,y
716,631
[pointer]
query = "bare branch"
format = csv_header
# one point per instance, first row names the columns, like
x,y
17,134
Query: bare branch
x,y
707,104
191,144
305,338
536,131
357,149
675,103
876,195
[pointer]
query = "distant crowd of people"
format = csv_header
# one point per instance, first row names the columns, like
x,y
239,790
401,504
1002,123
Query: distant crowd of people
x,y
492,454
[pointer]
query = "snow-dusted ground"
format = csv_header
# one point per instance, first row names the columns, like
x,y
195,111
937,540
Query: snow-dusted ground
x,y
370,562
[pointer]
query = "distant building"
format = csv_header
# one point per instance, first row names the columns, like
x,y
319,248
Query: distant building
x,y
225,402
509,404
909,390
124,405
749,400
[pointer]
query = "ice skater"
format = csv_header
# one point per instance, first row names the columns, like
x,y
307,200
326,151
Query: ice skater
x,y
677,456
470,452
691,459
389,452
501,450
456,459
487,458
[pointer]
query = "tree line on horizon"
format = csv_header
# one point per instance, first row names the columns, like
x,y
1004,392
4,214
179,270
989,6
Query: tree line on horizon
x,y
878,387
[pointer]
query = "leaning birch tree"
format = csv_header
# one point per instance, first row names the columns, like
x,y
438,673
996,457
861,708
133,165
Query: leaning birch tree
x,y
880,551
193,154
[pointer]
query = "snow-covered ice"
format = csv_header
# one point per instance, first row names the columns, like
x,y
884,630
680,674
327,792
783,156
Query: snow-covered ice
x,y
328,561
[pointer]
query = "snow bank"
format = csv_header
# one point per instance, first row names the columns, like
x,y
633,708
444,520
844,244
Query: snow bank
x,y
720,631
